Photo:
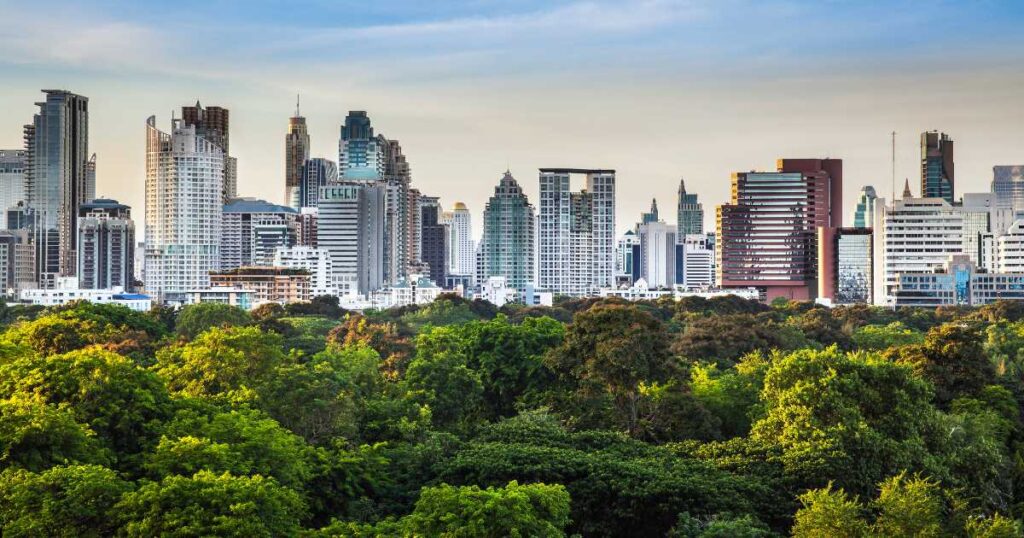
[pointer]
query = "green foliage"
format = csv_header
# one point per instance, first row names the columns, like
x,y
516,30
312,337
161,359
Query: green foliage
x,y
210,504
908,507
745,526
828,513
196,319
952,359
67,501
514,511
35,435
882,337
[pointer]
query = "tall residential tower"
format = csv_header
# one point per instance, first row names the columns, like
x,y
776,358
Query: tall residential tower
x,y
507,246
296,153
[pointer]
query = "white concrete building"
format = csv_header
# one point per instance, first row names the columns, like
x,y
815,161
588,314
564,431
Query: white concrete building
x,y
184,204
657,254
1010,249
576,232
698,262
416,289
67,291
461,251
313,259
919,236
240,297
495,291
350,227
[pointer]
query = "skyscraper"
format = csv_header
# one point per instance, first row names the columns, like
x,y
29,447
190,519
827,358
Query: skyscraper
x,y
506,247
690,214
106,245
864,214
433,240
296,154
657,254
358,147
460,240
351,228
1008,186
253,229
316,173
919,235
184,208
212,124
12,177
652,215
576,231
767,234
58,179
937,178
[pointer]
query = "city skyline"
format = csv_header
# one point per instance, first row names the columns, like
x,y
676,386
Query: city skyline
x,y
462,121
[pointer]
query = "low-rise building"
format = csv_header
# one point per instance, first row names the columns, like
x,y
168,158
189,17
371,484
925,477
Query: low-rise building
x,y
317,261
959,283
67,291
270,284
242,298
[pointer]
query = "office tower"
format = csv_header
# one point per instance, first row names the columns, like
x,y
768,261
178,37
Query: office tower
x,y
296,155
316,261
316,173
397,179
106,245
937,178
506,247
184,210
253,229
864,214
767,234
433,240
57,179
976,210
576,231
12,177
627,255
460,240
90,178
652,215
307,226
845,265
658,254
358,147
351,227
919,234
212,124
1008,186
690,215
698,262
20,217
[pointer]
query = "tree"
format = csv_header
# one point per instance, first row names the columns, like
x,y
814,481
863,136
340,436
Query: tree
x,y
613,349
828,513
210,504
196,319
908,507
448,386
226,363
952,359
724,338
66,501
996,526
121,402
730,395
35,435
514,510
882,337
745,526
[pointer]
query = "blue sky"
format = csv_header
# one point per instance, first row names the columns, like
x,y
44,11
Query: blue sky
x,y
658,89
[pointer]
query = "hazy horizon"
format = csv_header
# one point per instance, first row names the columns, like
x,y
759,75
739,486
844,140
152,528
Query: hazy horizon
x,y
657,90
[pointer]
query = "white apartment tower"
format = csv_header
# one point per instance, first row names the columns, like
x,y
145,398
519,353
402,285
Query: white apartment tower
x,y
920,234
184,203
461,254
351,228
576,232
658,254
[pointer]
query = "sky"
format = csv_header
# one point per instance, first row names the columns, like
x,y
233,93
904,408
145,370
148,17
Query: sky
x,y
657,89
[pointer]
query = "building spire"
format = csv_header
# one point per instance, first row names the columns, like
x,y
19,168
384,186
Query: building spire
x,y
297,115
906,189
682,185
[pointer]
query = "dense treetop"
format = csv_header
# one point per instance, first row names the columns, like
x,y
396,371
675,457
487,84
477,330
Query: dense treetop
x,y
698,418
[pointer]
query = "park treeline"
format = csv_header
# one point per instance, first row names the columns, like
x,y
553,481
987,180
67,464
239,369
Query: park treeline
x,y
697,418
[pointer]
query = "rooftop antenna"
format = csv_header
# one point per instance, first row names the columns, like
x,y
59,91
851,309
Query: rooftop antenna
x,y
894,165
296,105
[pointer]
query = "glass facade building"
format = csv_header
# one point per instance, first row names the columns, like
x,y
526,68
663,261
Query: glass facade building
x,y
507,246
690,213
315,173
1008,187
937,174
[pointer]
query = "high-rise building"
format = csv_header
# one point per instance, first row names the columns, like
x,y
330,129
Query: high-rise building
x,y
433,239
976,209
845,265
767,234
358,147
296,155
184,210
506,248
213,124
17,261
864,214
1010,249
698,262
351,227
316,173
627,256
690,213
919,236
106,245
460,240
57,179
576,232
12,177
308,217
658,254
1008,186
937,177
414,223
253,229
652,215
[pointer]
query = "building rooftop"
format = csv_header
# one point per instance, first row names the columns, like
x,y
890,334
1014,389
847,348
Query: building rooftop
x,y
578,170
255,205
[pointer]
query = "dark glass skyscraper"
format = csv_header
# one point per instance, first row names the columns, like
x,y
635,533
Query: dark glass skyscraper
x,y
937,178
57,179
507,246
